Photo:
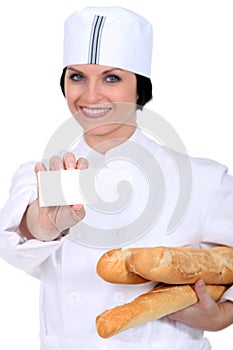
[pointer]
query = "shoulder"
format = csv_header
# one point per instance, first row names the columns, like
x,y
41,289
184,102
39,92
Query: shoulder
x,y
210,173
199,166
177,164
207,166
204,174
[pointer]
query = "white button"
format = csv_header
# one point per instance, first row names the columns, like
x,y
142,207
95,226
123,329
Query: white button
x,y
119,297
75,297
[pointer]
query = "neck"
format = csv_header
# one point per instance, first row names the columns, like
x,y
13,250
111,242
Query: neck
x,y
104,142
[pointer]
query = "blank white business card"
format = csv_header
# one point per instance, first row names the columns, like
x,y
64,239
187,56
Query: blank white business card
x,y
66,187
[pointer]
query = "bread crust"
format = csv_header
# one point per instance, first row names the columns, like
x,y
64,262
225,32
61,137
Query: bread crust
x,y
112,267
183,265
159,302
176,265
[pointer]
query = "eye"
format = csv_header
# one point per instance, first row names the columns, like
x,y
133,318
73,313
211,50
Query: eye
x,y
76,77
112,78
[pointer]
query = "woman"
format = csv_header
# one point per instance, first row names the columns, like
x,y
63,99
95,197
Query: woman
x,y
107,58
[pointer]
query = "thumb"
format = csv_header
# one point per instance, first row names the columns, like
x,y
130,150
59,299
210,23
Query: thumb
x,y
201,292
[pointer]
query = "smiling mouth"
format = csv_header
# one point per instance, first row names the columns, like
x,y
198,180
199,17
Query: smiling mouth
x,y
94,112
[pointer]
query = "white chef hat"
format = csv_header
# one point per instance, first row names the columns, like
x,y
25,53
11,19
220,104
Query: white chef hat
x,y
109,36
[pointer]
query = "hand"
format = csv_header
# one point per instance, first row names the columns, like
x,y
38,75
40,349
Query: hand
x,y
47,223
206,314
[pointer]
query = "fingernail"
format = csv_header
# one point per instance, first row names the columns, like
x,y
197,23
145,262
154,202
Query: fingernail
x,y
81,166
77,206
70,166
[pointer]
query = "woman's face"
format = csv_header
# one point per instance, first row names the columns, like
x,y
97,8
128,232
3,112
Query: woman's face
x,y
103,101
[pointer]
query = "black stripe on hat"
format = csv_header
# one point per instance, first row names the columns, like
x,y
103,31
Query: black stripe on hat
x,y
96,32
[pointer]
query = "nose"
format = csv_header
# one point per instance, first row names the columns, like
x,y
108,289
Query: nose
x,y
93,92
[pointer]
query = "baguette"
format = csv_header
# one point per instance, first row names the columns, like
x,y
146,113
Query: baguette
x,y
112,267
180,265
183,265
159,302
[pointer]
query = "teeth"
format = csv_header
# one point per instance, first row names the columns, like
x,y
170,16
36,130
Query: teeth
x,y
95,111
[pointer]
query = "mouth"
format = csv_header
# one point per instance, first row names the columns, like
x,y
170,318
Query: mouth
x,y
94,112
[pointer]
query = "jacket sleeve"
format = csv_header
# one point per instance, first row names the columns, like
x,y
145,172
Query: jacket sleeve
x,y
218,213
27,255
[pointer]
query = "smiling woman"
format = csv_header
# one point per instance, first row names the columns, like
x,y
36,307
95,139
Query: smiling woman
x,y
103,101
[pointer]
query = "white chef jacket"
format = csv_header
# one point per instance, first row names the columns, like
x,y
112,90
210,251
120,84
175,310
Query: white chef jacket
x,y
72,294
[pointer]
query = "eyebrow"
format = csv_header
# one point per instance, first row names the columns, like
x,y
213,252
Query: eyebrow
x,y
103,73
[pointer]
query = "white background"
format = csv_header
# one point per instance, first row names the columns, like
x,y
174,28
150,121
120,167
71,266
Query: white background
x,y
193,91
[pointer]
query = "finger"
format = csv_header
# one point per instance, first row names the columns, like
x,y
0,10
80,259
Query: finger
x,y
202,293
55,163
82,163
79,211
39,167
77,207
69,161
